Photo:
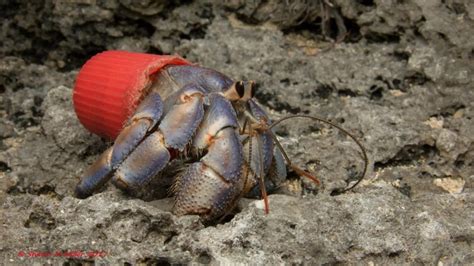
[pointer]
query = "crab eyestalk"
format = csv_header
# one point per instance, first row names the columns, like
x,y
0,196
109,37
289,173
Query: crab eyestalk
x,y
240,91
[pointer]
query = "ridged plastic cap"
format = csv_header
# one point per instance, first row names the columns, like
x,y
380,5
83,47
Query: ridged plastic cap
x,y
109,87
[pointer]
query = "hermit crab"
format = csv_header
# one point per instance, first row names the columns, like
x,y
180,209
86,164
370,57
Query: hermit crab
x,y
180,111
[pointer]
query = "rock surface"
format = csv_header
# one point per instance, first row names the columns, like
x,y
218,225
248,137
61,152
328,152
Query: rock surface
x,y
397,75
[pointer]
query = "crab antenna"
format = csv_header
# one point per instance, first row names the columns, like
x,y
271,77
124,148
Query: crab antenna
x,y
263,189
300,171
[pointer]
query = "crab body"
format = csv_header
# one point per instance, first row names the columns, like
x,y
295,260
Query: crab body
x,y
202,115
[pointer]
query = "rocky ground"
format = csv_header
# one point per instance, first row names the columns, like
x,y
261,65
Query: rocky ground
x,y
397,74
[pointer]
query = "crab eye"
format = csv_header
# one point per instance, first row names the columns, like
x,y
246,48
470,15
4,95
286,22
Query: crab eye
x,y
240,88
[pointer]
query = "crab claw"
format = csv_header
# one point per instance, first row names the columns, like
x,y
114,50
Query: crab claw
x,y
210,186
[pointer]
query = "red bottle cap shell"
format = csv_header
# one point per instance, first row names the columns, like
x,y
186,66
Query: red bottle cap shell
x,y
110,85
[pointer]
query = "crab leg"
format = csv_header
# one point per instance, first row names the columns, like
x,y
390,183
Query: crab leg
x,y
174,132
96,176
144,162
146,116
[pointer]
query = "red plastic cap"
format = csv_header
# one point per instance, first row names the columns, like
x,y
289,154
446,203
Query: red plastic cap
x,y
110,85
